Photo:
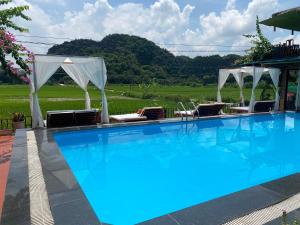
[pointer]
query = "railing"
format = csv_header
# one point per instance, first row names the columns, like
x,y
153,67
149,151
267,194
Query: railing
x,y
6,124
288,49
169,112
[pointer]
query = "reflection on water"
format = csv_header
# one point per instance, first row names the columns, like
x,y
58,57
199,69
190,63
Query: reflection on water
x,y
136,173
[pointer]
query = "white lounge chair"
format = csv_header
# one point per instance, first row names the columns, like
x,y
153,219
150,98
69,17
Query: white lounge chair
x,y
147,113
259,106
132,117
240,109
209,109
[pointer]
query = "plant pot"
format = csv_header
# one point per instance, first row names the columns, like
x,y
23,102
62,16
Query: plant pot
x,y
18,125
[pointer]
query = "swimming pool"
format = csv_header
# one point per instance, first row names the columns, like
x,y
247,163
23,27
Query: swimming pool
x,y
136,173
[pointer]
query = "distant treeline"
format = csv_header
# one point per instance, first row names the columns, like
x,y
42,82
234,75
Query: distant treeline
x,y
132,59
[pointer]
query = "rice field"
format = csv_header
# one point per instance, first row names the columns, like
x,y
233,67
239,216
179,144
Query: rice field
x,y
121,98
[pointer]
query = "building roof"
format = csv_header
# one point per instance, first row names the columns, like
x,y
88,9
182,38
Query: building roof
x,y
288,19
289,62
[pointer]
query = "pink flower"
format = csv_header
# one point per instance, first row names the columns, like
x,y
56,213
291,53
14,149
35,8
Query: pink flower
x,y
10,37
22,55
25,79
10,63
7,49
28,70
14,71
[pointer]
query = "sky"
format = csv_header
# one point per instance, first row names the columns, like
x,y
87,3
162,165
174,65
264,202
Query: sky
x,y
185,27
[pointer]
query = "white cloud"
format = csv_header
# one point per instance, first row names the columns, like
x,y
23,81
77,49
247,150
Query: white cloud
x,y
87,23
51,2
230,4
162,22
282,39
229,25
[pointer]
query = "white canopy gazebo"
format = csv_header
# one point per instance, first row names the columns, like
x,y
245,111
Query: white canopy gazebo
x,y
81,69
256,72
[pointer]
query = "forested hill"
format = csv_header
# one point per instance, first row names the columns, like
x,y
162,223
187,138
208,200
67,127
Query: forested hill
x,y
131,59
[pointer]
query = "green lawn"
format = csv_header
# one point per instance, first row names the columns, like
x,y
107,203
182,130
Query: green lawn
x,y
121,98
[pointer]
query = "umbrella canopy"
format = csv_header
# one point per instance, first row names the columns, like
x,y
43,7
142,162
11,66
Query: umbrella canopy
x,y
288,19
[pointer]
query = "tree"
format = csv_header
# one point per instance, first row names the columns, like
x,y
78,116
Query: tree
x,y
262,46
8,44
126,64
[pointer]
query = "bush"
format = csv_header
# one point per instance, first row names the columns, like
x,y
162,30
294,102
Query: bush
x,y
211,99
248,85
195,85
130,94
149,96
177,98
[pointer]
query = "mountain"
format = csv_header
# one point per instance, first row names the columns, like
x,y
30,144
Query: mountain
x,y
132,59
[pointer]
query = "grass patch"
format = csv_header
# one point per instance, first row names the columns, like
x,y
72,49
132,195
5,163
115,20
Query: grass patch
x,y
121,98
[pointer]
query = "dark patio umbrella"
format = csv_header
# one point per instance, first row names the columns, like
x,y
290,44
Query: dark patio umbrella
x,y
288,19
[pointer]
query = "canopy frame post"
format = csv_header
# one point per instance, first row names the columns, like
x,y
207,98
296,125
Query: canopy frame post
x,y
93,68
256,72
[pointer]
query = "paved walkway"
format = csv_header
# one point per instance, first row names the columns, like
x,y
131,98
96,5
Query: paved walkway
x,y
5,154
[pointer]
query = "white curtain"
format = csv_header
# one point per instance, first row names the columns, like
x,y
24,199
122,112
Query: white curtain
x,y
257,73
37,117
239,77
223,76
297,103
98,76
41,72
80,69
275,73
78,73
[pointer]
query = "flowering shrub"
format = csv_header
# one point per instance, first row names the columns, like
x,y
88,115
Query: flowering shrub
x,y
18,52
9,48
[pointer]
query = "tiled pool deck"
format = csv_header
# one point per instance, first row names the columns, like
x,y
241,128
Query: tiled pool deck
x,y
6,143
53,196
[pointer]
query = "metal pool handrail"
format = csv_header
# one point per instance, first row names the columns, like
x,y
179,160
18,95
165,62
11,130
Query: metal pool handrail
x,y
196,109
184,109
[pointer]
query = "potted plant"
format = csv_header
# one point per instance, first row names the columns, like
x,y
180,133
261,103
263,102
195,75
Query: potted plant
x,y
18,120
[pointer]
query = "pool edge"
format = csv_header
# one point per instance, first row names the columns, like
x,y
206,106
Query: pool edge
x,y
216,211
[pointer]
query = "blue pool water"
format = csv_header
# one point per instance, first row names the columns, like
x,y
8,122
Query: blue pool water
x,y
133,174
